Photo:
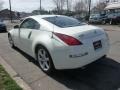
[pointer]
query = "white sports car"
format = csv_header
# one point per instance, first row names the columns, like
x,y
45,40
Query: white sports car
x,y
59,42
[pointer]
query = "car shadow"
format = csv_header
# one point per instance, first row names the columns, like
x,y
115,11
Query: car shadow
x,y
103,74
29,58
3,32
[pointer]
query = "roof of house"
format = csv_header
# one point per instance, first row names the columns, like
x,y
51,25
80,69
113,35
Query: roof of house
x,y
115,5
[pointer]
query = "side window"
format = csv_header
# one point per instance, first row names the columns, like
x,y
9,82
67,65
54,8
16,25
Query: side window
x,y
25,24
35,24
30,24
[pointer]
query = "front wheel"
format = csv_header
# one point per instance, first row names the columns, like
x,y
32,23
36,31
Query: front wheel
x,y
10,41
44,60
103,22
111,22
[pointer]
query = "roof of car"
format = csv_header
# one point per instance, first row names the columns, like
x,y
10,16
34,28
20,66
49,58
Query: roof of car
x,y
43,16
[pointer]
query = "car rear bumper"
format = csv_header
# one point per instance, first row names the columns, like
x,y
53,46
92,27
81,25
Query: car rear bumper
x,y
2,29
71,57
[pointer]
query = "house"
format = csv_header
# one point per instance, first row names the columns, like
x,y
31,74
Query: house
x,y
113,7
5,14
24,14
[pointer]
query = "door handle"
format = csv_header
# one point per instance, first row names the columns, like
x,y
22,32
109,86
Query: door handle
x,y
29,35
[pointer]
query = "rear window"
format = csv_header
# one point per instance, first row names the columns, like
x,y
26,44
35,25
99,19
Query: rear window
x,y
63,21
95,16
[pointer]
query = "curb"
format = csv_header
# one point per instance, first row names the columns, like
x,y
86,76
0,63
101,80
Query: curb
x,y
110,30
14,75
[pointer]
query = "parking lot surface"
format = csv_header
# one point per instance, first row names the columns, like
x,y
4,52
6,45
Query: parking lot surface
x,y
101,75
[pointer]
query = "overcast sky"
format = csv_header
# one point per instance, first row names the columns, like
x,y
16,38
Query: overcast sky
x,y
29,5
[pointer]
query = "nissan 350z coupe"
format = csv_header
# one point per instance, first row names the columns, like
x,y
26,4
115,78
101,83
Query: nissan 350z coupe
x,y
59,42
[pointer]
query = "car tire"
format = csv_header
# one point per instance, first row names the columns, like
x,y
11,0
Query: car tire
x,y
11,41
111,22
44,59
103,57
103,22
5,30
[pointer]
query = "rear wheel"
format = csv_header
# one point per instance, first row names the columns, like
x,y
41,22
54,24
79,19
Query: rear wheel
x,y
44,60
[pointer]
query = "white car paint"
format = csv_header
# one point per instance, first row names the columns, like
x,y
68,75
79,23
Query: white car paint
x,y
63,55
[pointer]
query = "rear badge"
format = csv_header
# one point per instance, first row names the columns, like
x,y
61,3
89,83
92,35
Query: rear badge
x,y
79,55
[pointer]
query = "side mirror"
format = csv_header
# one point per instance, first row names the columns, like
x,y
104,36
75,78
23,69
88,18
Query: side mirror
x,y
16,26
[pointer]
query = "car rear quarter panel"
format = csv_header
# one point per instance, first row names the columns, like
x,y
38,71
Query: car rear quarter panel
x,y
42,38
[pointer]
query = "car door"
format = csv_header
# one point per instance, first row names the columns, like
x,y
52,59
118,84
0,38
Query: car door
x,y
26,29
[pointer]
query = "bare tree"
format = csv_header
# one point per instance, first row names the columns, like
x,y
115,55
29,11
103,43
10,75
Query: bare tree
x,y
59,5
1,5
80,6
69,5
101,5
87,4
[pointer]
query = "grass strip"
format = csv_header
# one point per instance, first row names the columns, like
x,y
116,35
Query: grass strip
x,y
6,82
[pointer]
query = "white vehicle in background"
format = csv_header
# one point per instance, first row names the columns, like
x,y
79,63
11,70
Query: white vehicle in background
x,y
59,42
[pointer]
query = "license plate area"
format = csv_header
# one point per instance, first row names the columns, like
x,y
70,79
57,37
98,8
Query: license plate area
x,y
97,44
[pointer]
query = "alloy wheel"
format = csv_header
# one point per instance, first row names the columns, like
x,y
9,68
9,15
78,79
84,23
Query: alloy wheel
x,y
44,59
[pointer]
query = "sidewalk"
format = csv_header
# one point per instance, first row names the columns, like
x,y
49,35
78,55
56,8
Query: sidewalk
x,y
14,75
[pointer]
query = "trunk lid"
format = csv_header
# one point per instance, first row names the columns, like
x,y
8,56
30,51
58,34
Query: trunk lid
x,y
81,32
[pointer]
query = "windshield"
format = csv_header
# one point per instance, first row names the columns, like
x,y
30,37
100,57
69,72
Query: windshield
x,y
63,21
113,14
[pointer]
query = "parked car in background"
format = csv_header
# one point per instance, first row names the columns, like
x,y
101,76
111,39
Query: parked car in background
x,y
59,42
21,19
113,18
2,26
80,18
97,18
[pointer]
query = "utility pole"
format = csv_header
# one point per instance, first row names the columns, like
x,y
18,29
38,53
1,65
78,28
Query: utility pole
x,y
67,5
40,6
89,8
10,10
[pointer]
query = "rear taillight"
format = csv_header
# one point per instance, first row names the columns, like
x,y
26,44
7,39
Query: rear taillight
x,y
68,39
